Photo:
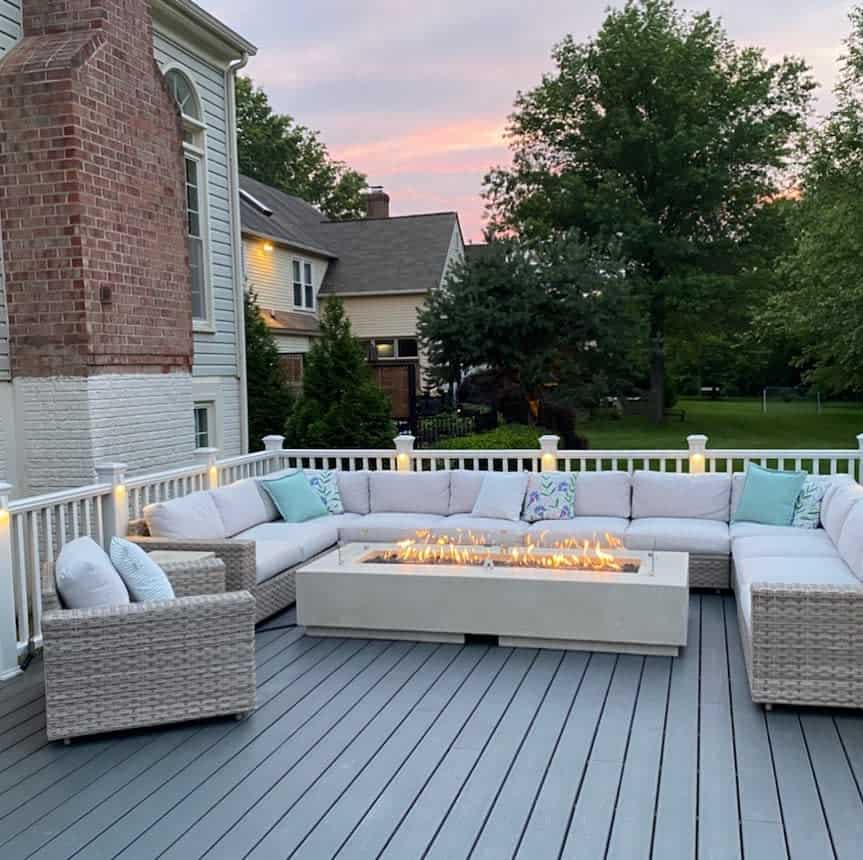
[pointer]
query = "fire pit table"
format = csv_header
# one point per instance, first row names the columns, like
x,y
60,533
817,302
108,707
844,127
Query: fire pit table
x,y
523,596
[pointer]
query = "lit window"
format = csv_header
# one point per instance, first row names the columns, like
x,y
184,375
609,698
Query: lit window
x,y
203,421
384,349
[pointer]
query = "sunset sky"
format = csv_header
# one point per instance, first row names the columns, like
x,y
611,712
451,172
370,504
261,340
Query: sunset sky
x,y
416,94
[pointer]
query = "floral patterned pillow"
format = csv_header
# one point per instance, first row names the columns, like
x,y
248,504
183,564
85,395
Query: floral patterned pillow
x,y
807,508
326,485
550,496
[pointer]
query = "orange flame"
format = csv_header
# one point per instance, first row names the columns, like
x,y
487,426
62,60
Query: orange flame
x,y
472,549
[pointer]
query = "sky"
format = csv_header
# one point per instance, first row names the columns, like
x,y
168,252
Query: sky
x,y
416,93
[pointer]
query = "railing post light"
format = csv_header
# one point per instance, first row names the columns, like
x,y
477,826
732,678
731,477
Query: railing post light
x,y
697,447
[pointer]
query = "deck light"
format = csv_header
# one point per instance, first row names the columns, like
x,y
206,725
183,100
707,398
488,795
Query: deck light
x,y
268,247
697,445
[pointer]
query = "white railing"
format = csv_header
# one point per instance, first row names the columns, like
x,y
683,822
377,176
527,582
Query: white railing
x,y
32,530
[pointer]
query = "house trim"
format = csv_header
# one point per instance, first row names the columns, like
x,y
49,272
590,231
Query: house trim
x,y
207,33
292,246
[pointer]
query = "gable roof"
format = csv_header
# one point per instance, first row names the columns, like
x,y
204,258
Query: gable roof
x,y
389,255
401,254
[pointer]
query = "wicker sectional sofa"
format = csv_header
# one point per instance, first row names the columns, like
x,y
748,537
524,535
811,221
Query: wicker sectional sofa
x,y
799,591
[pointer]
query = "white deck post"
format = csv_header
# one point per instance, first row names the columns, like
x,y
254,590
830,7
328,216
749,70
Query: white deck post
x,y
115,509
206,457
274,442
697,446
548,457
8,623
404,452
860,460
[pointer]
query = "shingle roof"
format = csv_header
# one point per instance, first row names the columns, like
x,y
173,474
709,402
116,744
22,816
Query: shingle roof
x,y
290,322
389,255
293,221
401,254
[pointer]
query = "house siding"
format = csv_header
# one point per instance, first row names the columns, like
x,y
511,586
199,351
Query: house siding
x,y
216,352
270,275
10,24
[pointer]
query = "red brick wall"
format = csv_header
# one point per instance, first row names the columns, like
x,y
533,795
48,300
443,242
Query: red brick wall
x,y
92,195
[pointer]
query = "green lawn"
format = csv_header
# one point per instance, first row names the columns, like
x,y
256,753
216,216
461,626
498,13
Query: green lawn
x,y
727,423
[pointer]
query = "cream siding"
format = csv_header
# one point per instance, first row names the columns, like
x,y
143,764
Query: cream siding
x,y
383,316
288,344
216,352
270,275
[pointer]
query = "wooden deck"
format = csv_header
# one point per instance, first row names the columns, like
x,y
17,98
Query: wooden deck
x,y
364,749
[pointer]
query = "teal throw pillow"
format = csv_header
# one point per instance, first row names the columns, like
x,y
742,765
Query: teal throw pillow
x,y
326,485
294,497
769,496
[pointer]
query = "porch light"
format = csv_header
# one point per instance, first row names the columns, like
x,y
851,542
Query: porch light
x,y
268,247
697,446
404,450
548,452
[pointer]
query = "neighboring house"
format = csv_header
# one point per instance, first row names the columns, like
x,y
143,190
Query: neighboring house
x,y
381,266
121,331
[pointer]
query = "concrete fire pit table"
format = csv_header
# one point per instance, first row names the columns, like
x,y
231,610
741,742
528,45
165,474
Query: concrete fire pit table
x,y
352,592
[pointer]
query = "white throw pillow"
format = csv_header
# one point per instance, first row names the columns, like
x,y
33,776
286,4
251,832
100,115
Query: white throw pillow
x,y
86,578
142,576
501,496
243,505
464,487
194,516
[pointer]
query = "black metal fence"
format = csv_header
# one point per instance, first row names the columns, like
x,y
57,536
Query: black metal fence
x,y
451,425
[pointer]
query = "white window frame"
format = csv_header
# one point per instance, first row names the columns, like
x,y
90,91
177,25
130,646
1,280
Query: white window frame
x,y
197,151
209,409
303,264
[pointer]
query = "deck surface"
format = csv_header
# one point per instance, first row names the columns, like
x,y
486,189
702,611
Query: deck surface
x,y
365,749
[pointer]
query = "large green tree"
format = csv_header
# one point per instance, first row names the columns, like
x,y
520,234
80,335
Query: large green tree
x,y
340,405
550,312
824,306
273,148
663,135
268,393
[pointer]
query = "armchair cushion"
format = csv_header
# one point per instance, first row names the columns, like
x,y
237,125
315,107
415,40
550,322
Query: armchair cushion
x,y
194,516
86,578
144,579
851,540
838,502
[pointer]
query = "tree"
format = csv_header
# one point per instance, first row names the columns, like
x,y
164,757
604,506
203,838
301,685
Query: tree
x,y
269,396
824,306
340,405
661,134
544,313
273,148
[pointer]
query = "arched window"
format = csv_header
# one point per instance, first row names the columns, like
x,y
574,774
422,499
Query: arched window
x,y
184,93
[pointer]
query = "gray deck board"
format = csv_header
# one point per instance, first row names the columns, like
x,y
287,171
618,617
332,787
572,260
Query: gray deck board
x,y
361,749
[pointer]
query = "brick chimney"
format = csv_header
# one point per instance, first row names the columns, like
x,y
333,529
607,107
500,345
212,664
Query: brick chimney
x,y
92,212
92,195
377,202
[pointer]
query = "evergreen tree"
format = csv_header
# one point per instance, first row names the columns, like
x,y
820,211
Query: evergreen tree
x,y
269,395
340,405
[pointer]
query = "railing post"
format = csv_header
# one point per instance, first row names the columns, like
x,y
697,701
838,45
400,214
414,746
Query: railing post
x,y
273,442
115,509
548,457
8,623
697,446
404,452
206,457
860,458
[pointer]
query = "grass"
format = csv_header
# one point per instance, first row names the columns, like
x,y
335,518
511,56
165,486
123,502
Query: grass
x,y
727,423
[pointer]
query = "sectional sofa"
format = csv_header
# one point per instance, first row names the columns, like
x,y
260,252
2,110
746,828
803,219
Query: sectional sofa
x,y
799,591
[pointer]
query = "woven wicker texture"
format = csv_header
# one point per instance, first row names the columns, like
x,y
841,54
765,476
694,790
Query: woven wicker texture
x,y
805,645
709,571
152,663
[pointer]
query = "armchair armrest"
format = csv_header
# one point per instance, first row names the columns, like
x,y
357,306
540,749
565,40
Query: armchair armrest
x,y
238,556
205,576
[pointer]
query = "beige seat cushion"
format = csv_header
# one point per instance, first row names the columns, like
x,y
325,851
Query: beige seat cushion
x,y
679,534
743,530
813,544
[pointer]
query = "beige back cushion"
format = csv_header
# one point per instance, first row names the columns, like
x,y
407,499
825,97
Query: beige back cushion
x,y
194,516
666,494
409,492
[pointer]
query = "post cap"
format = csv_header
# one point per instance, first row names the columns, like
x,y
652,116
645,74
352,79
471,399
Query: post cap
x,y
108,472
697,438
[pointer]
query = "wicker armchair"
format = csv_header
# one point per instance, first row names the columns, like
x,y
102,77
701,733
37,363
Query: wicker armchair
x,y
148,664
271,596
